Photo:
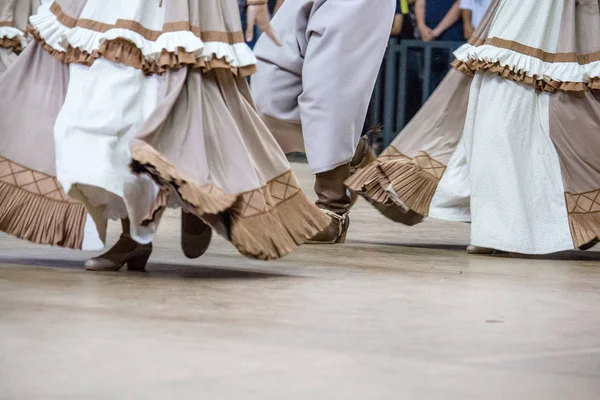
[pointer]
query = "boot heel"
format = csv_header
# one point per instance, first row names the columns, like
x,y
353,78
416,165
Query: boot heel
x,y
342,238
138,264
345,226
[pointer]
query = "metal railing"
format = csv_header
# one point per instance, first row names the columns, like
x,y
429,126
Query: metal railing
x,y
391,95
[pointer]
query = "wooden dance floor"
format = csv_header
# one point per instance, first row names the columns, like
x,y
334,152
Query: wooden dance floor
x,y
396,313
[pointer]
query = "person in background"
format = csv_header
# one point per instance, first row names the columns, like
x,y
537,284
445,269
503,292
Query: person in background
x,y
250,23
472,14
405,28
278,4
439,20
404,20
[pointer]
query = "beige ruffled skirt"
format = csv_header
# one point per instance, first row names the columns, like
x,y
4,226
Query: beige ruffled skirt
x,y
509,141
150,109
14,16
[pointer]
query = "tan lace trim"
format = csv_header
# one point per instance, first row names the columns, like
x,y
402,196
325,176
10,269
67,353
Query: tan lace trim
x,y
539,82
584,216
148,34
14,43
471,66
414,180
265,223
125,52
34,207
535,52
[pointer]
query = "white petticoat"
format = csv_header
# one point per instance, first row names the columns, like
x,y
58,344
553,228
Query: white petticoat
x,y
105,106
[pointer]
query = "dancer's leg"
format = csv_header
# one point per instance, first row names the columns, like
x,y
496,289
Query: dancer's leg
x,y
322,78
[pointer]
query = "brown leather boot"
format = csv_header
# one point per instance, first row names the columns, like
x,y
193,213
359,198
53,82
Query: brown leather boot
x,y
335,232
333,199
589,245
125,251
195,235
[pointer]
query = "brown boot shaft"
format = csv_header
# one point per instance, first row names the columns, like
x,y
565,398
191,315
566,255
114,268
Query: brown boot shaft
x,y
331,192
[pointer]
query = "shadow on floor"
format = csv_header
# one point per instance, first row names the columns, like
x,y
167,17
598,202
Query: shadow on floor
x,y
572,255
428,246
162,270
210,273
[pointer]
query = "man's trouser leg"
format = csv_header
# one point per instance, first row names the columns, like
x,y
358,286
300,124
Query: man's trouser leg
x,y
320,83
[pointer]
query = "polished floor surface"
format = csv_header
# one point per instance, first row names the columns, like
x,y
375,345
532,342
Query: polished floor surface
x,y
396,313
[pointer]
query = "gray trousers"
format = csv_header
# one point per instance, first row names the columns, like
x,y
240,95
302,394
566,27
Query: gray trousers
x,y
314,91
